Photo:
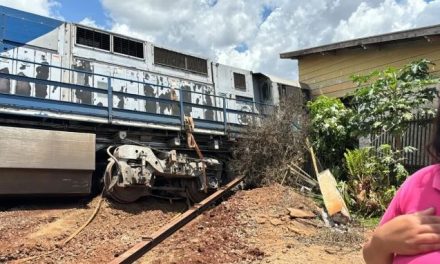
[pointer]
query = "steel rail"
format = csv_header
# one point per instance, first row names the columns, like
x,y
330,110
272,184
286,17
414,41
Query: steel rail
x,y
150,242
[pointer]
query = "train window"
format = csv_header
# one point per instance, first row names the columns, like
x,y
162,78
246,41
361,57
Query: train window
x,y
239,81
92,38
128,47
180,61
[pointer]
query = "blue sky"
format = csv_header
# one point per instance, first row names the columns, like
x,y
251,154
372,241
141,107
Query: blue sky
x,y
77,10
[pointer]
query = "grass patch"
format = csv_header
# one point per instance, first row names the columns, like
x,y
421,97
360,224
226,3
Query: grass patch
x,y
369,222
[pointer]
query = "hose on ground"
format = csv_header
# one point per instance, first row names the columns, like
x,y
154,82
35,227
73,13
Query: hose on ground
x,y
67,240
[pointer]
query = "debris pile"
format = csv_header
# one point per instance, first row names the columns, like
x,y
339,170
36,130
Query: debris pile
x,y
273,149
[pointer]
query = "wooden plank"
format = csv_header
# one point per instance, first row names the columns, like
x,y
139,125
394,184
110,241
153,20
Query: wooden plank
x,y
332,198
342,78
341,88
359,65
313,64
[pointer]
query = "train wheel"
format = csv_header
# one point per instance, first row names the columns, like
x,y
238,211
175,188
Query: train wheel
x,y
193,191
118,193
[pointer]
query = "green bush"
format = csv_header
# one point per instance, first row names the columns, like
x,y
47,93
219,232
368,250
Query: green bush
x,y
372,177
330,131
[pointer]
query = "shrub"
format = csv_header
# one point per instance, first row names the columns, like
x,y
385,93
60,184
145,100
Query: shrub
x,y
373,175
268,148
331,131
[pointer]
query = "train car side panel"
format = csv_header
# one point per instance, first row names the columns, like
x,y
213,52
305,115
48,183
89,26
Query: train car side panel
x,y
36,161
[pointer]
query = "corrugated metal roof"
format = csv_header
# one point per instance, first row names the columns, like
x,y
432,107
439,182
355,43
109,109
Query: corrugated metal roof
x,y
364,42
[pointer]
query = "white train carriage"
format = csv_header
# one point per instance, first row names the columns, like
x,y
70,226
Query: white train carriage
x,y
84,79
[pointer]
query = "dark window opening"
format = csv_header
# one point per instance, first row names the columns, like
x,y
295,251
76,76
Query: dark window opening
x,y
265,92
92,38
286,90
128,47
295,94
239,81
179,60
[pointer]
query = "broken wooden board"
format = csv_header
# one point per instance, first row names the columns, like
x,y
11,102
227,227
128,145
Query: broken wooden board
x,y
333,201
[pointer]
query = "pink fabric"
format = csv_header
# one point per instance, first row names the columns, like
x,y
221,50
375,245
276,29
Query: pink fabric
x,y
419,192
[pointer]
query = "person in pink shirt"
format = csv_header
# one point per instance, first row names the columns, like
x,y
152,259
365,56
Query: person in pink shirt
x,y
409,231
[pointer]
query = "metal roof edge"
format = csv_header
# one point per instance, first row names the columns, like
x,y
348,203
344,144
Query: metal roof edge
x,y
387,37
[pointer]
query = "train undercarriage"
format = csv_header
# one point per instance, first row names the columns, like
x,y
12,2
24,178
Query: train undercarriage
x,y
136,171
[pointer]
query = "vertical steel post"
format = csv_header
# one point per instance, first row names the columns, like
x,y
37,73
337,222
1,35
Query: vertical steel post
x,y
182,113
225,122
110,99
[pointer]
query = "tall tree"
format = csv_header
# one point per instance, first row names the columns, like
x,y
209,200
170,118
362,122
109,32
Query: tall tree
x,y
387,100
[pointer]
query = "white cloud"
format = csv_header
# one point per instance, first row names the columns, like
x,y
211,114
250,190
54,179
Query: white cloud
x,y
215,28
89,22
40,7
388,16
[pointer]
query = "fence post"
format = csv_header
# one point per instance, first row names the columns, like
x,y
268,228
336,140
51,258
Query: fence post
x,y
110,100
225,122
182,113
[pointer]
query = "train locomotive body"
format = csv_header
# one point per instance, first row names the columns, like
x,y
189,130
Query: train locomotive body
x,y
88,103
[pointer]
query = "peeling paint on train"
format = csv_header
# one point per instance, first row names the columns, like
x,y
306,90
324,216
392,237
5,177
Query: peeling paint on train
x,y
54,43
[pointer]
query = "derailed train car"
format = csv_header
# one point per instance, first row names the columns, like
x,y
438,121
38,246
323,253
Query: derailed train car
x,y
80,105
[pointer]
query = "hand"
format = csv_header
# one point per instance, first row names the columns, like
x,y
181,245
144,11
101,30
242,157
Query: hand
x,y
409,234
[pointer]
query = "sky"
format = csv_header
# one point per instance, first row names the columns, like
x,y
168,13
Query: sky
x,y
248,34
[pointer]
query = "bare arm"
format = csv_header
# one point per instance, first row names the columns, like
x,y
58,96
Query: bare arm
x,y
409,234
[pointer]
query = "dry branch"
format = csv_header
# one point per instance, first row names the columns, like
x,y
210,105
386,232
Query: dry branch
x,y
270,146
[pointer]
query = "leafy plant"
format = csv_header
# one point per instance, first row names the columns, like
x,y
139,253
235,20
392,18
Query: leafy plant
x,y
387,100
373,175
330,131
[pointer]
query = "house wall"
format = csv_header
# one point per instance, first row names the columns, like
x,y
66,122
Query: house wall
x,y
330,73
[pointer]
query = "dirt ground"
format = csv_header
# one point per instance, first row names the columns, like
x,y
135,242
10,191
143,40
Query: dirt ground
x,y
252,226
37,230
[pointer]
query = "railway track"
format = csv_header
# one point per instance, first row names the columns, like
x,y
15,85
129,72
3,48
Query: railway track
x,y
149,242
